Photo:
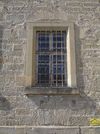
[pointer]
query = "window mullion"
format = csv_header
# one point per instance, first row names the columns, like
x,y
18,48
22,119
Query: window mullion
x,y
37,56
56,62
50,59
61,62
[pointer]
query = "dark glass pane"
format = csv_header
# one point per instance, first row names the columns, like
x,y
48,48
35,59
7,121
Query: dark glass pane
x,y
59,45
58,69
43,36
43,46
59,38
58,58
43,74
54,69
54,45
59,77
43,69
54,36
43,41
63,45
43,59
54,77
43,79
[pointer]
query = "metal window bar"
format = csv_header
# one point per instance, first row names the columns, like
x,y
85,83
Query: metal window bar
x,y
50,65
62,82
37,33
56,57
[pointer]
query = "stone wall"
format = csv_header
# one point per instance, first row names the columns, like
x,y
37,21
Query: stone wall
x,y
18,109
49,130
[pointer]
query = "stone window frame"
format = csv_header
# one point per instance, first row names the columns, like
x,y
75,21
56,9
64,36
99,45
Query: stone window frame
x,y
30,72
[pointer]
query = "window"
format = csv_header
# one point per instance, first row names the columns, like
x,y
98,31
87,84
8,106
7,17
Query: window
x,y
50,55
51,58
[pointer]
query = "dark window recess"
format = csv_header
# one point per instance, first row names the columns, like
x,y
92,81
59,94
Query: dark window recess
x,y
51,58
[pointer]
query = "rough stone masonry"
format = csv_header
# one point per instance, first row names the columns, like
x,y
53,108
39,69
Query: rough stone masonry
x,y
21,114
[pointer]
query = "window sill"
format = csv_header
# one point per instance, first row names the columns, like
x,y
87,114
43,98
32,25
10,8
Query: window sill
x,y
32,91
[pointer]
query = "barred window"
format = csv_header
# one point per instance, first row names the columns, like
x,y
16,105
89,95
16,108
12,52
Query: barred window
x,y
50,55
51,58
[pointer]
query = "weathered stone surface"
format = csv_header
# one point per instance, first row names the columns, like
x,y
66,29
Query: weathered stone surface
x,y
18,109
20,130
7,130
49,130
90,130
56,130
39,130
97,130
